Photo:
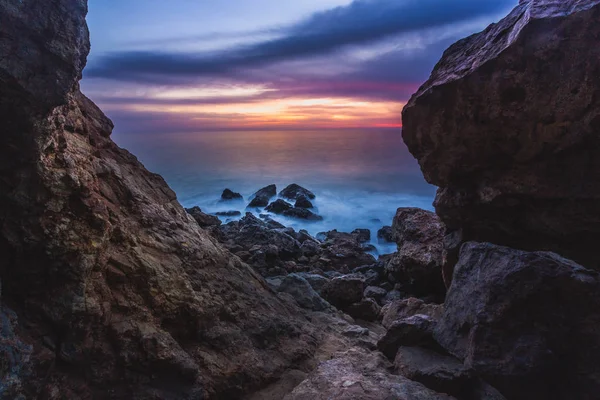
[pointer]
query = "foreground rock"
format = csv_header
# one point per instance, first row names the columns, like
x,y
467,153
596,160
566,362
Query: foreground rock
x,y
295,192
361,375
526,322
117,291
507,127
418,263
262,197
204,220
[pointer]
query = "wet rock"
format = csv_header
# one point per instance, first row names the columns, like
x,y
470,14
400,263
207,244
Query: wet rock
x,y
526,322
344,290
411,331
375,293
444,374
262,197
362,235
228,213
303,293
362,375
302,213
405,308
278,206
294,191
507,128
366,310
303,202
418,262
228,194
204,220
386,234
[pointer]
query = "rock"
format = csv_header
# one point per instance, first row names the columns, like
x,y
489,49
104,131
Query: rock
x,y
386,234
418,262
526,322
411,331
310,248
230,195
358,374
117,290
278,206
375,293
262,197
344,250
303,293
438,372
204,220
228,213
366,310
317,282
303,202
294,192
362,235
393,295
355,331
405,308
507,128
302,213
344,290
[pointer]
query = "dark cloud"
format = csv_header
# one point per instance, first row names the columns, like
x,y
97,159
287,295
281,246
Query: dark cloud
x,y
360,22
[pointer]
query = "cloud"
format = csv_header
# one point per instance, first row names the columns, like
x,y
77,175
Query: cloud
x,y
360,22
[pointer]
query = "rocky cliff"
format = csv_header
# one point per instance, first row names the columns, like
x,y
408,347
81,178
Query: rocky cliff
x,y
508,128
109,288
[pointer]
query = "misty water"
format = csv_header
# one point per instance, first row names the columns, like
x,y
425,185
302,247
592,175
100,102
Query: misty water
x,y
360,177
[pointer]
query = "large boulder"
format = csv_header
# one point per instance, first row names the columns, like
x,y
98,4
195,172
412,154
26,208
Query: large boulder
x,y
278,206
527,322
344,250
405,308
344,290
508,128
229,194
117,290
261,198
204,220
294,192
360,375
302,291
418,263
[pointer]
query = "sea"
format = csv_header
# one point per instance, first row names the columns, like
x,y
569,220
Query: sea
x,y
360,177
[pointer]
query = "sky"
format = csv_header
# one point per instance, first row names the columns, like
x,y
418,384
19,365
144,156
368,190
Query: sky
x,y
207,65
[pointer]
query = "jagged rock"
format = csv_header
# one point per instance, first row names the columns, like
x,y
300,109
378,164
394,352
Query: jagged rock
x,y
386,234
411,331
366,309
360,375
302,213
362,235
278,206
375,293
228,194
204,220
302,291
317,282
507,128
345,290
401,309
418,262
310,248
444,374
117,289
344,250
293,192
262,197
228,213
527,323
303,202
355,331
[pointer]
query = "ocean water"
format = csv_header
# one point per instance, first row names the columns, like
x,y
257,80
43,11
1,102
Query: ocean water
x,y
360,177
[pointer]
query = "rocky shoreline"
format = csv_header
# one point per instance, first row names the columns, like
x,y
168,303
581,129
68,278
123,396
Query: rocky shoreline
x,y
111,290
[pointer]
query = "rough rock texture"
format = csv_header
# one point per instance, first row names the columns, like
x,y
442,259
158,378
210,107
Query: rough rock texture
x,y
303,202
418,263
526,322
204,220
405,308
508,128
303,293
411,331
294,192
360,375
344,290
366,310
262,197
279,206
229,194
118,292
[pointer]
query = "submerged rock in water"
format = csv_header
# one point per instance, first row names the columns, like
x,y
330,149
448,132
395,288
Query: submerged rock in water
x,y
303,202
294,191
507,128
302,213
386,234
228,213
228,194
262,197
279,206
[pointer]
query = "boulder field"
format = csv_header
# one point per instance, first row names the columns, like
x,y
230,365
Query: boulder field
x,y
111,290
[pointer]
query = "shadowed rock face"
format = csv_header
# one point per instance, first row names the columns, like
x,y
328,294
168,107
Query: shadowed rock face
x,y
116,289
508,126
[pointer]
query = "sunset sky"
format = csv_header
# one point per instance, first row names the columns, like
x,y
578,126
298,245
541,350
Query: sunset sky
x,y
187,66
